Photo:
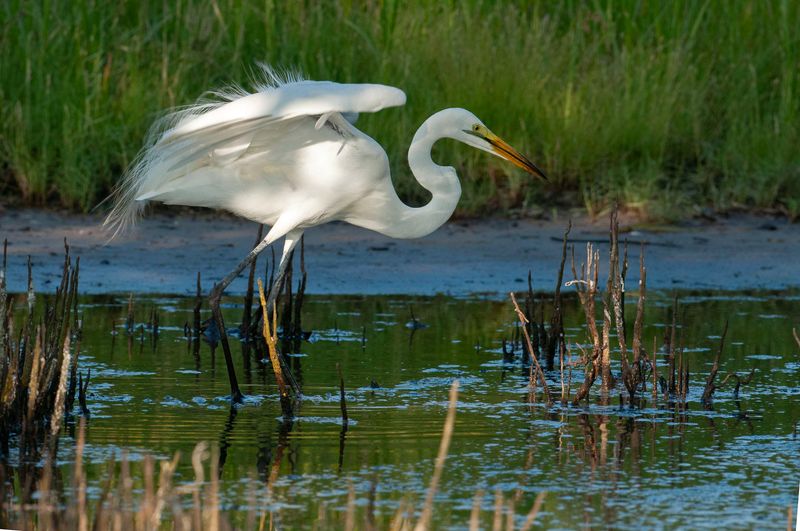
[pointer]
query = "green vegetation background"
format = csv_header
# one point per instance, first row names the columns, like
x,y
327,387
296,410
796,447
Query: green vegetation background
x,y
665,106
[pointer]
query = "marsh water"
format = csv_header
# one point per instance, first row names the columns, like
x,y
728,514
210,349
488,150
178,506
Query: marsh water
x,y
735,465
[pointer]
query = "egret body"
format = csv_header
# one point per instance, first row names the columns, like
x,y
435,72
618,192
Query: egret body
x,y
288,156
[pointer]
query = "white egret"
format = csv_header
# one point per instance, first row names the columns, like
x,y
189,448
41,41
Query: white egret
x,y
288,155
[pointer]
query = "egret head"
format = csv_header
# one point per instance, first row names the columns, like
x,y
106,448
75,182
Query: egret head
x,y
473,132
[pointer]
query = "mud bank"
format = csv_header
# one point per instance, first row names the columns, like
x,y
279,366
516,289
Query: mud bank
x,y
164,253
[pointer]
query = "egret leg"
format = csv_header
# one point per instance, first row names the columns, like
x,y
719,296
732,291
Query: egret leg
x,y
277,285
292,237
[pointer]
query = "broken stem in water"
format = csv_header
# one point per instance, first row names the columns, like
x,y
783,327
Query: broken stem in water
x,y
586,286
271,338
523,322
342,402
708,392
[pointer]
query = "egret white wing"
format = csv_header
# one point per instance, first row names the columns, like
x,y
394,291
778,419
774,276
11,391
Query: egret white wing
x,y
203,142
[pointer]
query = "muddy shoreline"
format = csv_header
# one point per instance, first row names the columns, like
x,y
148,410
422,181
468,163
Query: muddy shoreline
x,y
163,254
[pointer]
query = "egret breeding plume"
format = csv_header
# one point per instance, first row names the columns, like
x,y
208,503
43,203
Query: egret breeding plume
x,y
288,156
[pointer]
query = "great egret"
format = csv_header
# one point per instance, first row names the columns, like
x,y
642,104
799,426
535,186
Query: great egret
x,y
288,155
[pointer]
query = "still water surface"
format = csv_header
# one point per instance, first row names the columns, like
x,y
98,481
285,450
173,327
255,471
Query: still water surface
x,y
736,466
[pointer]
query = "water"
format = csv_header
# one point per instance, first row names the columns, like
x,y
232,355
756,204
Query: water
x,y
735,466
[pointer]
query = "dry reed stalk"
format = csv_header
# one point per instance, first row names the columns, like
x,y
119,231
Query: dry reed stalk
x,y
444,446
679,385
639,321
654,362
100,519
510,514
400,519
671,348
164,492
252,502
616,289
37,360
211,516
586,286
3,275
497,521
123,515
569,376
198,303
564,393
129,321
606,379
320,522
58,409
523,320
796,337
523,475
350,515
556,336
369,516
685,389
534,512
148,495
613,299
33,363
199,454
617,276
73,365
342,402
45,505
708,392
530,303
31,293
9,390
474,514
83,387
271,338
79,481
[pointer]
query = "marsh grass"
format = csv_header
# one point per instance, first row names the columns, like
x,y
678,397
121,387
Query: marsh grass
x,y
150,495
660,105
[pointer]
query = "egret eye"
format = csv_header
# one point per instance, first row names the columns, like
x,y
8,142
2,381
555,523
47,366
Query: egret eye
x,y
476,128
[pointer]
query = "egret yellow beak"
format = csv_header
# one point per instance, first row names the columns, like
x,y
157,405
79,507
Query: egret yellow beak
x,y
495,145
503,150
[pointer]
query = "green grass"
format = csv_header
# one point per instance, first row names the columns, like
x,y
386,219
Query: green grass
x,y
663,106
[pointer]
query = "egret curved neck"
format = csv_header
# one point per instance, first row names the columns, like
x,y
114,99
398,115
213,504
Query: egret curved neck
x,y
404,221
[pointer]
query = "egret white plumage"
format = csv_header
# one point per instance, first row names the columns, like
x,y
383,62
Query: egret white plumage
x,y
289,156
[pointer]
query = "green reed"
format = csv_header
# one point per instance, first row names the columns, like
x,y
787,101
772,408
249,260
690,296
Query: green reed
x,y
664,106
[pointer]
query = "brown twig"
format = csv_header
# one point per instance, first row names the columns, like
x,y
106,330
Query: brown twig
x,y
654,363
586,286
708,392
196,332
639,321
671,347
524,321
342,402
271,338
556,336
739,381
